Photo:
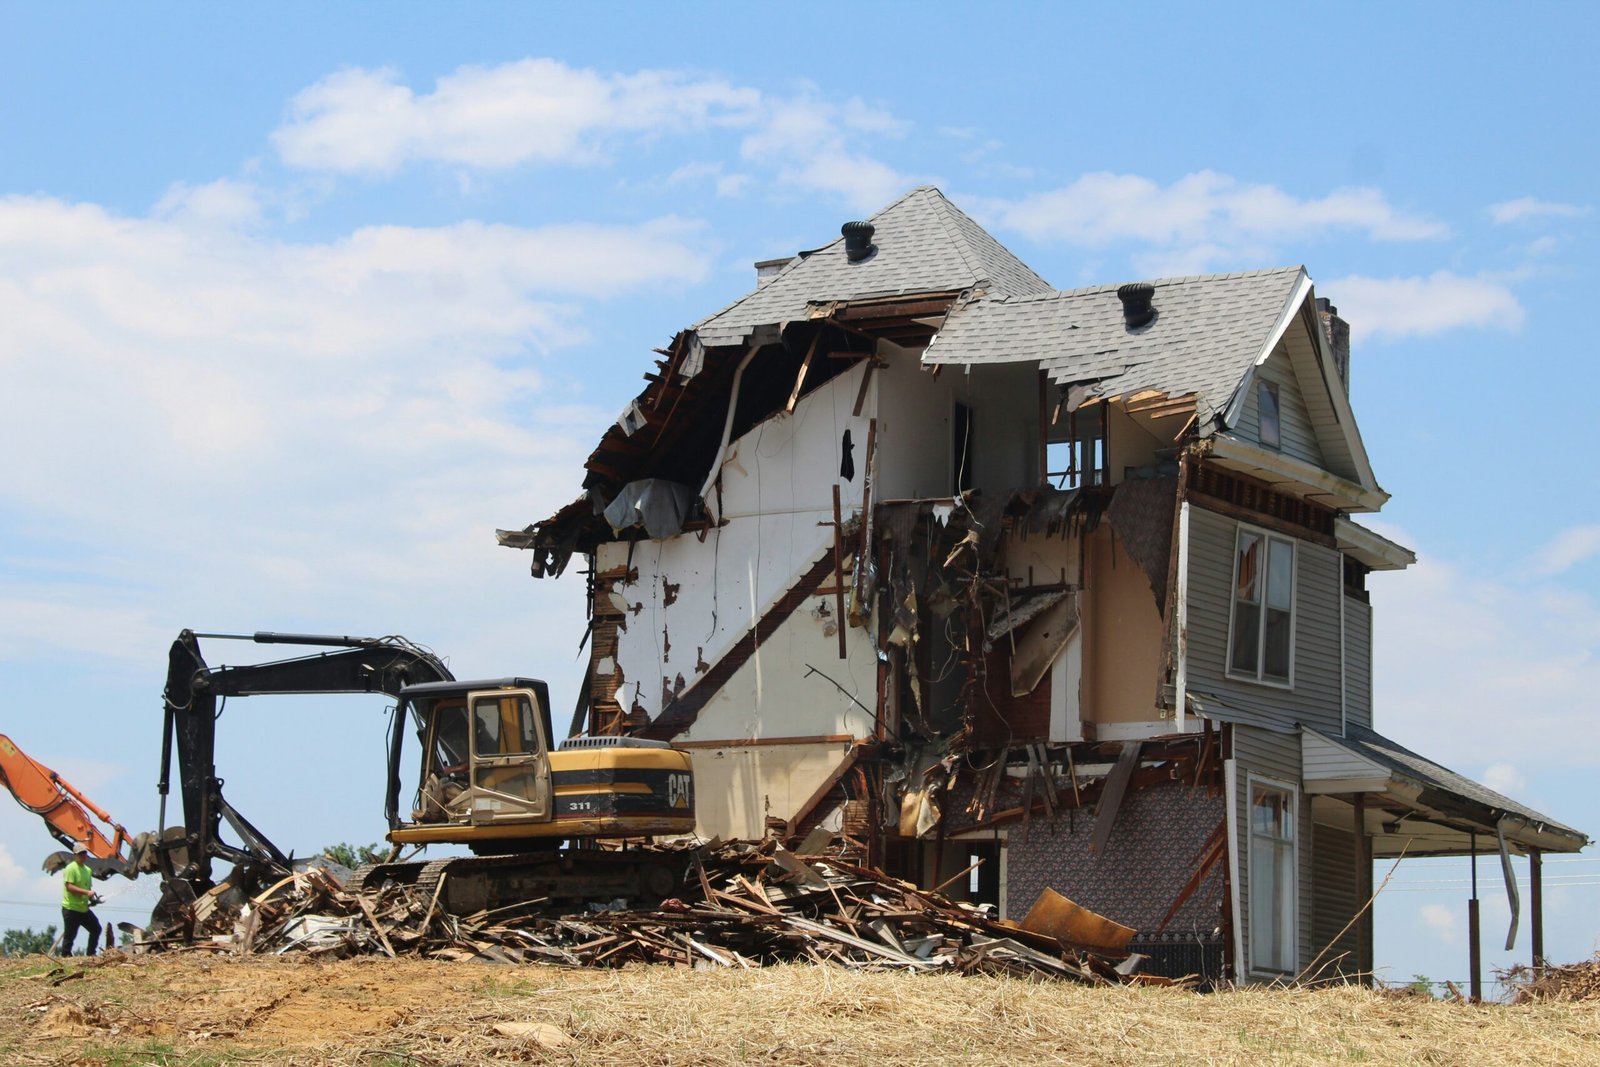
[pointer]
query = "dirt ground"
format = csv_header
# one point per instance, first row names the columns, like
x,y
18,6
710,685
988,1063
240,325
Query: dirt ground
x,y
194,1010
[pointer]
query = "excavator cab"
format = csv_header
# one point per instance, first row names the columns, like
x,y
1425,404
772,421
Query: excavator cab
x,y
489,778
484,752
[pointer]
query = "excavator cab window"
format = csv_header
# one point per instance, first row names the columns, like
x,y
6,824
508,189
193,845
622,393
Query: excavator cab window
x,y
503,725
450,738
504,735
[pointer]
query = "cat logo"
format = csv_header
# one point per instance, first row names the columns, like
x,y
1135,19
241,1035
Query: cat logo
x,y
680,791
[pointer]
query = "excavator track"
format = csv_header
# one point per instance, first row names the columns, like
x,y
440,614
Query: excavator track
x,y
542,881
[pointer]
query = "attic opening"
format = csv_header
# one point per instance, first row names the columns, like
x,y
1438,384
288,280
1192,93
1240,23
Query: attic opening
x,y
1075,447
684,447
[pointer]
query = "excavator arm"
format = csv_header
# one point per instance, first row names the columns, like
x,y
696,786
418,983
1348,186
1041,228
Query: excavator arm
x,y
72,818
193,696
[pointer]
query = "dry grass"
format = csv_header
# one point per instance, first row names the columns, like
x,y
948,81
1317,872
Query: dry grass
x,y
195,1012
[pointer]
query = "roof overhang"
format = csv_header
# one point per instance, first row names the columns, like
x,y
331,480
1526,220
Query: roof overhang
x,y
1328,389
1421,808
1373,549
1293,476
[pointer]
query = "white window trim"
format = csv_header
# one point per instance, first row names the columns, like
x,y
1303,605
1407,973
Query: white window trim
x,y
1251,781
1258,678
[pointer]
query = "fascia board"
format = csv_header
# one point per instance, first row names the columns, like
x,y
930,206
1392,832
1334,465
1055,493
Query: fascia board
x,y
1286,315
1228,448
1373,549
1341,402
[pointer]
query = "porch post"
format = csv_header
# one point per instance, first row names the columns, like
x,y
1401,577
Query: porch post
x,y
1474,950
1363,929
1536,905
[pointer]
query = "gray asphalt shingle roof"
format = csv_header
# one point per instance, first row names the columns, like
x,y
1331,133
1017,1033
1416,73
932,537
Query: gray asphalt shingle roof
x,y
1401,760
925,244
1207,331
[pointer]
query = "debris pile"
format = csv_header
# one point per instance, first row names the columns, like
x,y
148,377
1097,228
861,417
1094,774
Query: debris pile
x,y
742,905
1569,981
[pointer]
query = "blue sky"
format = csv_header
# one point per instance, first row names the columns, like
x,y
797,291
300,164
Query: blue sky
x,y
297,307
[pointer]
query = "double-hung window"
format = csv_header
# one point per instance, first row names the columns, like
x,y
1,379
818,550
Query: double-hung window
x,y
1261,638
1272,877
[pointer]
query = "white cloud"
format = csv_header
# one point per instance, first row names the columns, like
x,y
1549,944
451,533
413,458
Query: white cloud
x,y
220,426
1206,211
808,142
531,110
224,203
1504,778
1527,207
1473,665
535,111
1442,921
1421,306
1567,549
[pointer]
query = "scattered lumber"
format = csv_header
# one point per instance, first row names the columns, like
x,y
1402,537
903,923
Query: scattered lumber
x,y
743,905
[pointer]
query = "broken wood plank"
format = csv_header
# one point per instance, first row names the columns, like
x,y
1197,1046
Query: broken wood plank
x,y
800,379
1105,813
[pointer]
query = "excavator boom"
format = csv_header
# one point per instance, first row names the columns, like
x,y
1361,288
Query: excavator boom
x,y
193,694
72,818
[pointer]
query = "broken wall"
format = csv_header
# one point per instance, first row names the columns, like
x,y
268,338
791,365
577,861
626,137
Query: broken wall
x,y
737,787
1124,635
692,598
1154,848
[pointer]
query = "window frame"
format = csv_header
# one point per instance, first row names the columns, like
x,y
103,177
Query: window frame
x,y
1292,791
1264,389
1259,676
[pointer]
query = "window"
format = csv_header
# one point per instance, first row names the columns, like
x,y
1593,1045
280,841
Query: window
x,y
1272,877
1268,427
1261,638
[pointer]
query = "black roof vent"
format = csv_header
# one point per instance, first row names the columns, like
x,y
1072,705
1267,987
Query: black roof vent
x,y
1136,309
858,240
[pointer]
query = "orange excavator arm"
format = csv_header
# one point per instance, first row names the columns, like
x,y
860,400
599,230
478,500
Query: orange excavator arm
x,y
68,814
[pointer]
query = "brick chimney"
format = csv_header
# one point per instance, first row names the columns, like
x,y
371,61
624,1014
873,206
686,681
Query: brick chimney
x,y
768,269
1337,331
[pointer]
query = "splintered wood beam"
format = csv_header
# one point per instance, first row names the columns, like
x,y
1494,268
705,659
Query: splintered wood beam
x,y
1105,813
838,565
800,379
895,309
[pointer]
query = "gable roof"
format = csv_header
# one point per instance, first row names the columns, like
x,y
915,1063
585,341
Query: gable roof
x,y
1208,332
925,244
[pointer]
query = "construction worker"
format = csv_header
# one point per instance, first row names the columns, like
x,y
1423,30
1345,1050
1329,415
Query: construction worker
x,y
76,897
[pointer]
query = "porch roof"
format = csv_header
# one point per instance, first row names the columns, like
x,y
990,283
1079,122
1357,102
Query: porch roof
x,y
1420,807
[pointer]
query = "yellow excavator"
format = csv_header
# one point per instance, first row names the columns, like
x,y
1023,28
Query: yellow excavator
x,y
491,777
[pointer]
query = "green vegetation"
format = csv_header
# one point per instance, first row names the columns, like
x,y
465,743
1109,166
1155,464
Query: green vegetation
x,y
357,855
27,942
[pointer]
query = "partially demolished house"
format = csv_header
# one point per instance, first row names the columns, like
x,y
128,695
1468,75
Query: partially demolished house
x,y
1022,589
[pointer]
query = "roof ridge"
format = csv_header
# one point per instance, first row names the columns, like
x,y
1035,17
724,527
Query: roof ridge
x,y
958,240
1176,279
